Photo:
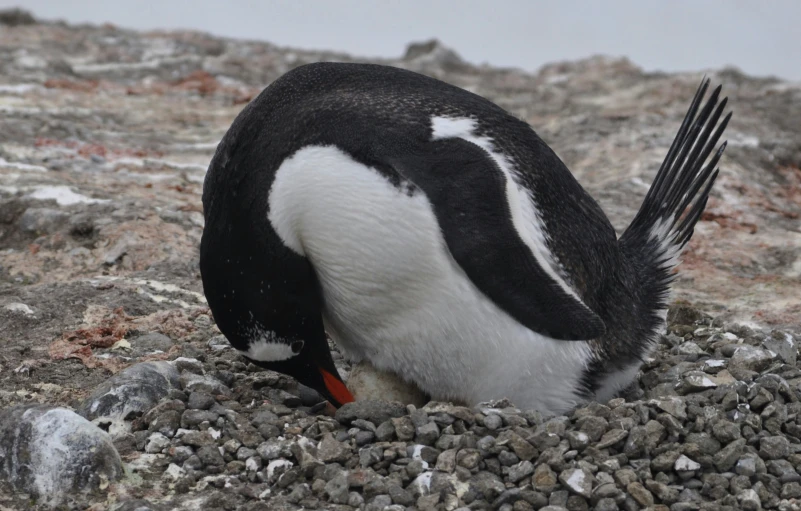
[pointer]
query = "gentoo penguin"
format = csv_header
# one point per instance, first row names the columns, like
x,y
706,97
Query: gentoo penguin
x,y
432,233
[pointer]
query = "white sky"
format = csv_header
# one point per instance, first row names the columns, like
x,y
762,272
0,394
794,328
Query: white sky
x,y
759,37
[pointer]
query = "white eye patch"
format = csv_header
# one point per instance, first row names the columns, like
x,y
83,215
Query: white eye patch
x,y
267,348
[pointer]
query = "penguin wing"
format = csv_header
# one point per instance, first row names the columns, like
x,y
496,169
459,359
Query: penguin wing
x,y
467,190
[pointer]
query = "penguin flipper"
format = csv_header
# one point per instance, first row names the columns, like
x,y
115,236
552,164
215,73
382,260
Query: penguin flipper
x,y
467,191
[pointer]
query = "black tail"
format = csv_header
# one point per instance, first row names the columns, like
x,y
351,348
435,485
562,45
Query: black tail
x,y
674,203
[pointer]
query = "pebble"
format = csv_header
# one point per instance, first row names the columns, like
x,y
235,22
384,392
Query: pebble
x,y
578,481
493,422
685,464
750,358
699,439
128,394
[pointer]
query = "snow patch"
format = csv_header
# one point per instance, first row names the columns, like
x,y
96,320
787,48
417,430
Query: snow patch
x,y
19,307
21,166
63,195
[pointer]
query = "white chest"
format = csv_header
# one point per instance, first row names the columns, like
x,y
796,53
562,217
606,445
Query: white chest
x,y
394,295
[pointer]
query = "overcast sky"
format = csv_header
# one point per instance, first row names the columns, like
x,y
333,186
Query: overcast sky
x,y
759,37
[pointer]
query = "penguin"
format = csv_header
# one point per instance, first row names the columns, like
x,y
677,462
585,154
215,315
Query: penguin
x,y
438,237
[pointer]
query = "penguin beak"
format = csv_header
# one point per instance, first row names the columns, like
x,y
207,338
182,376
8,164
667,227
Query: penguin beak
x,y
335,390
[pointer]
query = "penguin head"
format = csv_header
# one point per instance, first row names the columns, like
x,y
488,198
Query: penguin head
x,y
312,366
274,320
285,343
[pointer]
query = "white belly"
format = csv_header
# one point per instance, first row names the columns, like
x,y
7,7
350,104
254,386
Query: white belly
x,y
394,295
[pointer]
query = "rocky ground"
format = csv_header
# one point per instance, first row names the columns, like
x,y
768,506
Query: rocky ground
x,y
117,391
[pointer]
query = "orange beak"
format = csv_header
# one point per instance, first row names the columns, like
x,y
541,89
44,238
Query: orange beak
x,y
336,388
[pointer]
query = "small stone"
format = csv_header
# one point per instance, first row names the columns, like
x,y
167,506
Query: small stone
x,y
364,437
192,418
446,461
665,461
578,481
594,426
774,447
299,493
167,423
690,348
191,382
685,464
662,491
726,431
544,478
750,358
493,422
404,428
330,450
520,471
200,401
427,434
337,489
468,458
151,342
578,440
41,221
181,453
606,504
714,366
559,498
193,463
695,381
791,491
749,500
156,443
523,449
400,496
784,345
612,437
371,410
355,500
128,394
191,365
197,438
210,456
674,406
746,467
640,494
726,457
385,431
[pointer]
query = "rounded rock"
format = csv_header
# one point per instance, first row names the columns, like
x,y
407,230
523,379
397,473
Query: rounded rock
x,y
128,394
51,451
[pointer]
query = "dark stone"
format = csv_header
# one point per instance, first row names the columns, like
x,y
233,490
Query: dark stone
x,y
371,410
129,394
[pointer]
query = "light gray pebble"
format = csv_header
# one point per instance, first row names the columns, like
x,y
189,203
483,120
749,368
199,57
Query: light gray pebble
x,y
493,422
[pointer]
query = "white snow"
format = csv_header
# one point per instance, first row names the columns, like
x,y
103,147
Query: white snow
x,y
19,307
18,88
63,195
21,166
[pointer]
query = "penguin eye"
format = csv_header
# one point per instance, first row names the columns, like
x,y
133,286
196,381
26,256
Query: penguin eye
x,y
296,346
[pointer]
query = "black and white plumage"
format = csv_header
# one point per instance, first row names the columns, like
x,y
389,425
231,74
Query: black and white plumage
x,y
434,234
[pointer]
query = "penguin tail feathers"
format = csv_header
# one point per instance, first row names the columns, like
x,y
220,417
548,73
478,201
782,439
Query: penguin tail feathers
x,y
677,197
